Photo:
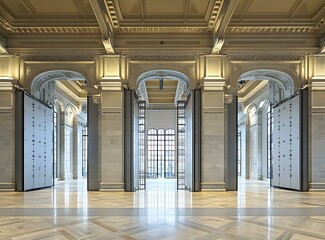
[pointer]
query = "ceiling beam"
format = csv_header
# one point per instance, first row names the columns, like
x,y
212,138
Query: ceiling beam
x,y
99,9
225,14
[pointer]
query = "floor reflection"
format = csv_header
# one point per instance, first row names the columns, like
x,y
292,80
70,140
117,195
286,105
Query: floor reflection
x,y
68,211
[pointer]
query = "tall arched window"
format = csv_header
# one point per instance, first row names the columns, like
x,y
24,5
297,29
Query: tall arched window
x,y
252,162
161,153
269,140
170,157
55,142
152,169
84,150
252,116
239,148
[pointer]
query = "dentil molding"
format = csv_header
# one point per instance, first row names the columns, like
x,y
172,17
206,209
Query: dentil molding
x,y
265,57
157,58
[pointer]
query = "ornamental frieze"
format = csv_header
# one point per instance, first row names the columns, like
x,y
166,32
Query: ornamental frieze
x,y
266,58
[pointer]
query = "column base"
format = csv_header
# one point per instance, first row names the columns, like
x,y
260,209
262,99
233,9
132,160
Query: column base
x,y
317,187
7,187
213,186
111,187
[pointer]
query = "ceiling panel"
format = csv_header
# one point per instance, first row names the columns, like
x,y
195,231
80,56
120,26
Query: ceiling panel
x,y
88,8
239,6
54,7
130,8
198,8
165,7
309,8
274,6
15,8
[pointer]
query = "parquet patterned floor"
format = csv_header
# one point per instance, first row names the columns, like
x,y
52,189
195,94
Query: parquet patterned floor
x,y
68,211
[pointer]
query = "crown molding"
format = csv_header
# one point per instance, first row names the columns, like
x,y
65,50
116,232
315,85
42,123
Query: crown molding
x,y
61,58
271,29
162,58
162,29
8,27
265,57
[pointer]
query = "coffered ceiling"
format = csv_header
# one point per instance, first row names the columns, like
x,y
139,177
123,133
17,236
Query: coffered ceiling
x,y
83,29
161,94
163,16
145,26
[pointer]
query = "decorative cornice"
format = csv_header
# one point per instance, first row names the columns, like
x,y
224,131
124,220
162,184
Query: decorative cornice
x,y
214,14
48,29
157,58
265,58
269,29
58,58
111,12
157,29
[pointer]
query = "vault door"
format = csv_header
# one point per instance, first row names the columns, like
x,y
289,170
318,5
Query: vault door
x,y
192,159
290,150
134,129
181,105
189,142
142,150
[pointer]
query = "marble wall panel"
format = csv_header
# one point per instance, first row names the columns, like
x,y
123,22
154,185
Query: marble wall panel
x,y
7,145
112,151
213,147
318,150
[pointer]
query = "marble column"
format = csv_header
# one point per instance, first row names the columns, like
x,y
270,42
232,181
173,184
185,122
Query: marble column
x,y
66,138
317,137
7,140
111,138
213,138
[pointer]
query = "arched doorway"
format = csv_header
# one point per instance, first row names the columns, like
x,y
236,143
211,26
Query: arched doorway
x,y
259,92
64,90
164,100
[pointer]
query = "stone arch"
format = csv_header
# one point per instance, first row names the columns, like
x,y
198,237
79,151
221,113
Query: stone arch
x,y
251,155
184,82
42,79
161,73
71,110
247,111
59,103
263,137
283,79
263,105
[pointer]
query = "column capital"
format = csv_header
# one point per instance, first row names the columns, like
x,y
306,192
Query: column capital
x,y
214,84
318,85
6,85
111,85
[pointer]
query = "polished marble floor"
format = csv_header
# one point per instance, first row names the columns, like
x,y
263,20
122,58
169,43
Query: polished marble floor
x,y
256,211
